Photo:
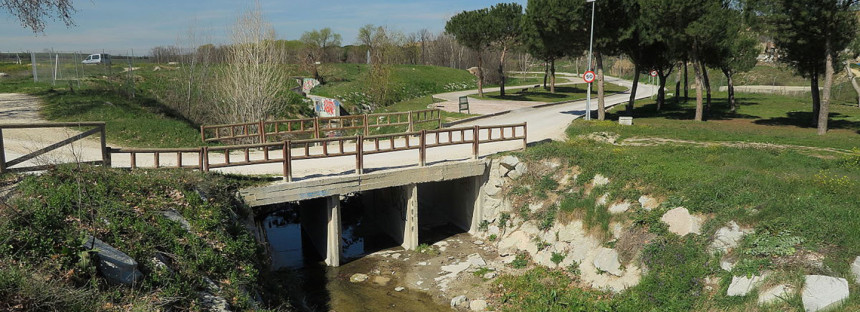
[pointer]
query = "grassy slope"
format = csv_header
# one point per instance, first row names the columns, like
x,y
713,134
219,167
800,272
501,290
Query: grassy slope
x,y
787,195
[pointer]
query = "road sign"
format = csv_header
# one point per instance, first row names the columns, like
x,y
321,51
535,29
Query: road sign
x,y
588,76
654,73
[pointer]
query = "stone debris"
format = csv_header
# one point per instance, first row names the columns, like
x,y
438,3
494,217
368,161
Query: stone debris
x,y
552,164
509,162
478,305
774,294
727,265
855,268
478,242
618,208
742,285
518,171
458,301
116,266
396,256
535,207
476,260
399,288
728,237
214,303
490,275
4,75
358,278
823,292
381,280
599,180
174,216
681,222
648,203
602,200
607,261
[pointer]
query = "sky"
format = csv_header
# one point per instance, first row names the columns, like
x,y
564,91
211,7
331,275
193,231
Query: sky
x,y
122,26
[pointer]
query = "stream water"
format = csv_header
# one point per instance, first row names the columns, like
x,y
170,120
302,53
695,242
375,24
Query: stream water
x,y
322,288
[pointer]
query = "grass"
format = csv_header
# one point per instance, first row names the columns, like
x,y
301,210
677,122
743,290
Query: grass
x,y
562,93
43,229
760,118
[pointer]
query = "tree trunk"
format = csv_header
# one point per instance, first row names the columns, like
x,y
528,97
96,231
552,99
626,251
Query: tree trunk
x,y
661,93
686,82
816,99
699,101
678,85
632,100
502,72
824,112
545,72
480,75
601,103
731,88
853,81
552,77
707,85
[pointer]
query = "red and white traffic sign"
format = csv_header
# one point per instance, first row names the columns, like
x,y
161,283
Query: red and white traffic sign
x,y
654,73
588,76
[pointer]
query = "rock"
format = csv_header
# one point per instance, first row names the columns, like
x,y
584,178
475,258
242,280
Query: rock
x,y
478,305
552,164
742,285
823,292
4,75
478,242
681,222
599,180
509,162
570,232
494,230
518,171
618,208
213,303
535,207
727,237
602,200
727,265
855,268
492,190
381,280
648,203
458,301
159,261
396,256
399,288
490,275
771,295
476,260
358,278
607,261
157,68
544,258
174,216
606,137
116,266
517,240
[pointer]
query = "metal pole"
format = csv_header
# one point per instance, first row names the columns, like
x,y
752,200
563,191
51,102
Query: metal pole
x,y
590,51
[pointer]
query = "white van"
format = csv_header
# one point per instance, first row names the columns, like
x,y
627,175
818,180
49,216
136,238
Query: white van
x,y
97,59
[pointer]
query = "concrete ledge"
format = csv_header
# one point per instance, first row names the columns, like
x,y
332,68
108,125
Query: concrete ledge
x,y
282,192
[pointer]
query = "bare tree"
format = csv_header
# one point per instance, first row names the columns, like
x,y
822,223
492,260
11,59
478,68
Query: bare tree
x,y
32,13
250,84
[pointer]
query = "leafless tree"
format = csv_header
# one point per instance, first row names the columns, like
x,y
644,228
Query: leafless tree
x,y
33,13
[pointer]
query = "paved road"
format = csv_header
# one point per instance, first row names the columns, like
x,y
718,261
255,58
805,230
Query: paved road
x,y
547,122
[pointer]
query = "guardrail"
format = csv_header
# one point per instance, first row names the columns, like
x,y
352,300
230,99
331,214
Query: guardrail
x,y
316,128
96,128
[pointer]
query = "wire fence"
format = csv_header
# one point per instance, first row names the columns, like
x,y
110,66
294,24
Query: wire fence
x,y
63,67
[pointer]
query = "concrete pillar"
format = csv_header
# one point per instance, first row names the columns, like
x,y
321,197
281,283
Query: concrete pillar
x,y
455,202
395,211
321,223
410,233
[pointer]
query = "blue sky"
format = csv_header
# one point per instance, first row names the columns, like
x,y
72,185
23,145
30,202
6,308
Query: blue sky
x,y
117,26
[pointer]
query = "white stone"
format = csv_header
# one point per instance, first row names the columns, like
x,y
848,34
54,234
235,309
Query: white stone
x,y
773,294
742,285
681,222
490,275
602,200
518,171
727,237
457,301
476,260
570,232
399,288
552,164
509,161
535,207
618,208
727,265
544,258
607,261
599,180
648,203
478,305
478,242
358,278
517,240
396,256
494,230
823,292
855,268
492,190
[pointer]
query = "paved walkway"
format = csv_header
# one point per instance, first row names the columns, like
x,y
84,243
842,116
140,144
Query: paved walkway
x,y
488,106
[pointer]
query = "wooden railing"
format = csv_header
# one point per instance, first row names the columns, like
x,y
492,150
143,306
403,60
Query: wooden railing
x,y
316,128
95,128
285,152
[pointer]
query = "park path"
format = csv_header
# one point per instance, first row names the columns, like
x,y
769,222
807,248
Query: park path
x,y
545,122
451,100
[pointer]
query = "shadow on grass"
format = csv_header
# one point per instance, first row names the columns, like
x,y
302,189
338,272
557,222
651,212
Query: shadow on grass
x,y
63,103
805,120
686,110
518,95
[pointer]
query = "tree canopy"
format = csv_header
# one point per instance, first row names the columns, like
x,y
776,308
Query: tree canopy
x,y
33,13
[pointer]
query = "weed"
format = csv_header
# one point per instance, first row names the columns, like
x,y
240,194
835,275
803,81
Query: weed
x,y
504,217
427,249
573,268
557,257
484,225
765,244
480,272
521,261
493,237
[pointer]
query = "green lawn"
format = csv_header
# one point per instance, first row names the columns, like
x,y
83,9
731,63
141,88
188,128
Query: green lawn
x,y
562,93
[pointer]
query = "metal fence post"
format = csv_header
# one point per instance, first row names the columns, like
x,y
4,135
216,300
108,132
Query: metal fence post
x,y
288,170
475,142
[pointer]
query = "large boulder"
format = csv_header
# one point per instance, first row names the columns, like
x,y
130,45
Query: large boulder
x,y
774,294
727,237
510,162
620,207
823,292
742,285
681,222
116,266
607,261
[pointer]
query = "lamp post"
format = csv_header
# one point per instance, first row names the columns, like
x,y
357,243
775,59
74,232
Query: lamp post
x,y
590,53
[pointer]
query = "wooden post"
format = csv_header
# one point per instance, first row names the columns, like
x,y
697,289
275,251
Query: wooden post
x,y
316,127
133,160
359,153
262,131
206,159
475,142
439,116
203,133
288,170
157,165
422,147
366,125
2,154
411,125
525,135
105,149
200,158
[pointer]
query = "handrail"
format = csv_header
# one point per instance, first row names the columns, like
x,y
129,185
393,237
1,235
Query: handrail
x,y
285,152
316,126
97,128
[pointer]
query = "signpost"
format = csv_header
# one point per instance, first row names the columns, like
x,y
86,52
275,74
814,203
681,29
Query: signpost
x,y
590,54
464,104
588,76
653,73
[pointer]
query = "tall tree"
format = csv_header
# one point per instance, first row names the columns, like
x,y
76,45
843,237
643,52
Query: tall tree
x,y
320,41
472,29
505,20
613,24
33,13
553,29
